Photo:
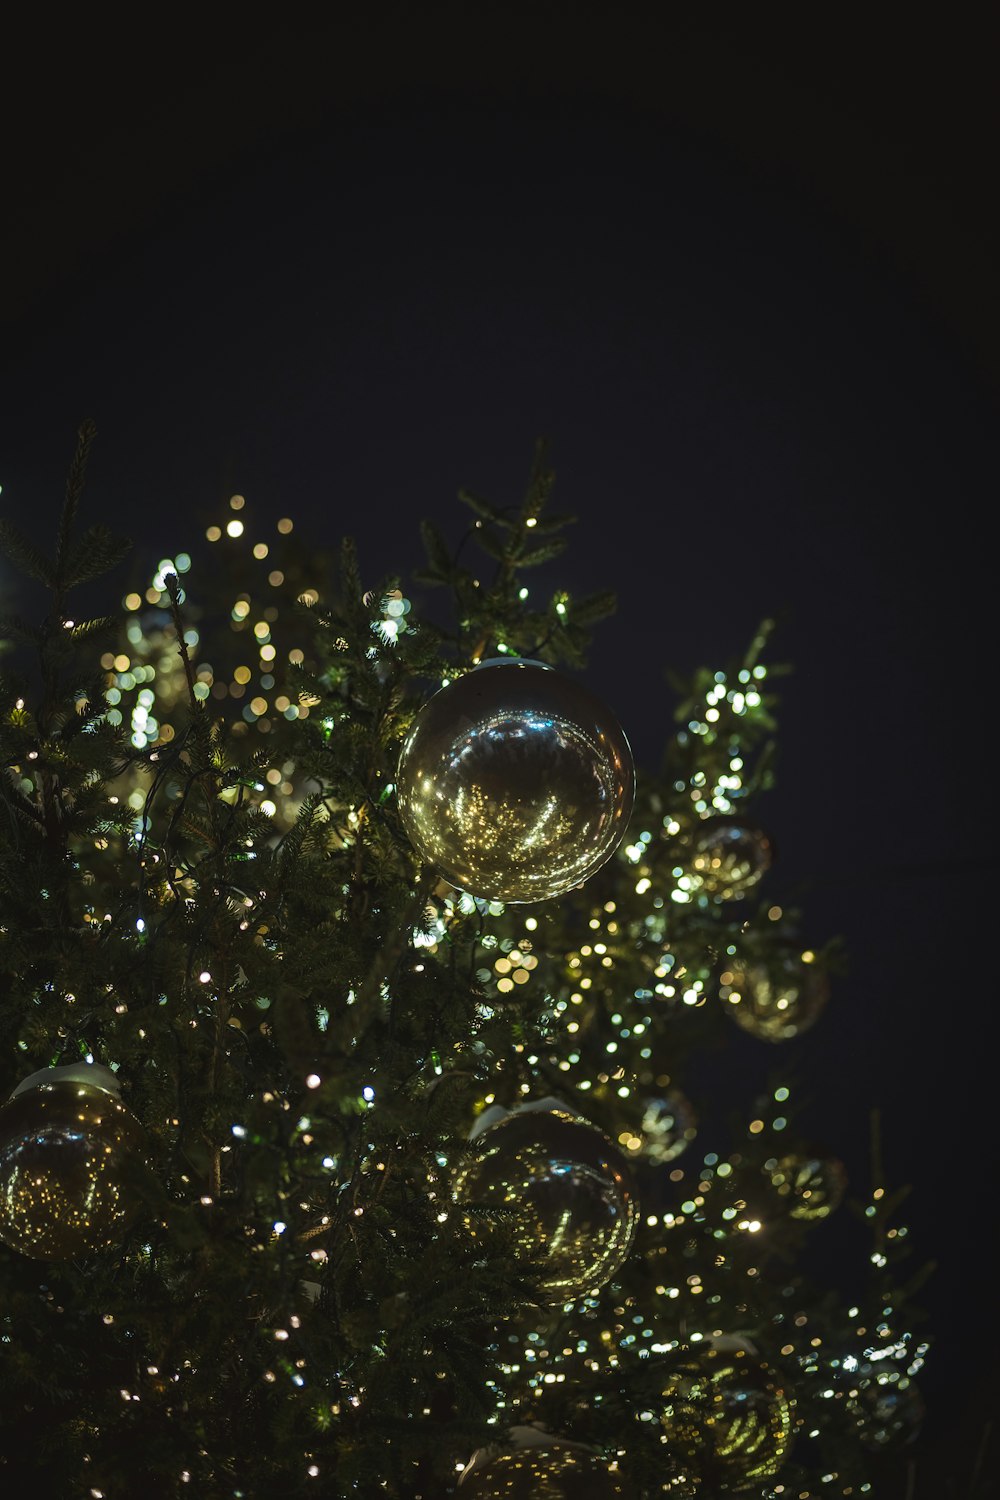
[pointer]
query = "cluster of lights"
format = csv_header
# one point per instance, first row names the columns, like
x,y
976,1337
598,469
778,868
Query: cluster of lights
x,y
146,683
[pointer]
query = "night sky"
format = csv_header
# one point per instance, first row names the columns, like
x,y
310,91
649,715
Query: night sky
x,y
744,286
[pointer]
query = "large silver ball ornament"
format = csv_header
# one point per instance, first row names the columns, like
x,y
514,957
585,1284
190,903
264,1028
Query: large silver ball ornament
x,y
515,783
570,1191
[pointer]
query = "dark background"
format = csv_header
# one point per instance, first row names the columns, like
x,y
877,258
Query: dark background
x,y
741,275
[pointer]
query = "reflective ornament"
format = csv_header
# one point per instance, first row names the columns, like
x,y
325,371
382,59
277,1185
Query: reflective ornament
x,y
726,1413
775,1004
539,1466
570,1190
810,1186
728,860
515,782
67,1146
667,1128
888,1409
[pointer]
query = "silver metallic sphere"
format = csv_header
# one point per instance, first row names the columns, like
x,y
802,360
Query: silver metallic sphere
x,y
570,1189
723,1408
65,1148
778,1002
729,859
515,782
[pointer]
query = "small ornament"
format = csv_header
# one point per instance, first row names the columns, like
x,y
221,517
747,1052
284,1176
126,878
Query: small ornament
x,y
728,859
724,1411
887,1407
67,1145
570,1188
778,1003
810,1186
537,1465
515,782
667,1128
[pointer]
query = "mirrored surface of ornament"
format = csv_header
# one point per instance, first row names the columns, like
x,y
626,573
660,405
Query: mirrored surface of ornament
x,y
570,1190
728,859
774,1003
515,782
727,1413
67,1151
811,1187
539,1466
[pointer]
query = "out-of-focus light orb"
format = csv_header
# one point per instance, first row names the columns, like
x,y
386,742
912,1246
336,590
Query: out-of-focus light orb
x,y
774,1002
569,1190
68,1148
515,782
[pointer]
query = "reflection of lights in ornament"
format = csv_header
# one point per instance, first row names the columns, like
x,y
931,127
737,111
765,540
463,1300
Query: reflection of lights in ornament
x,y
515,782
67,1149
888,1409
774,1003
569,1188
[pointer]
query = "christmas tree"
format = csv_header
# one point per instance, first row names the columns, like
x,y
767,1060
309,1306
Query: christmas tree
x,y
357,996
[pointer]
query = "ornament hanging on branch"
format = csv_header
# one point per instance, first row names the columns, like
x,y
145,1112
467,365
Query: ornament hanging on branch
x,y
568,1187
776,1002
667,1127
728,859
515,782
538,1465
725,1411
887,1407
69,1149
811,1187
